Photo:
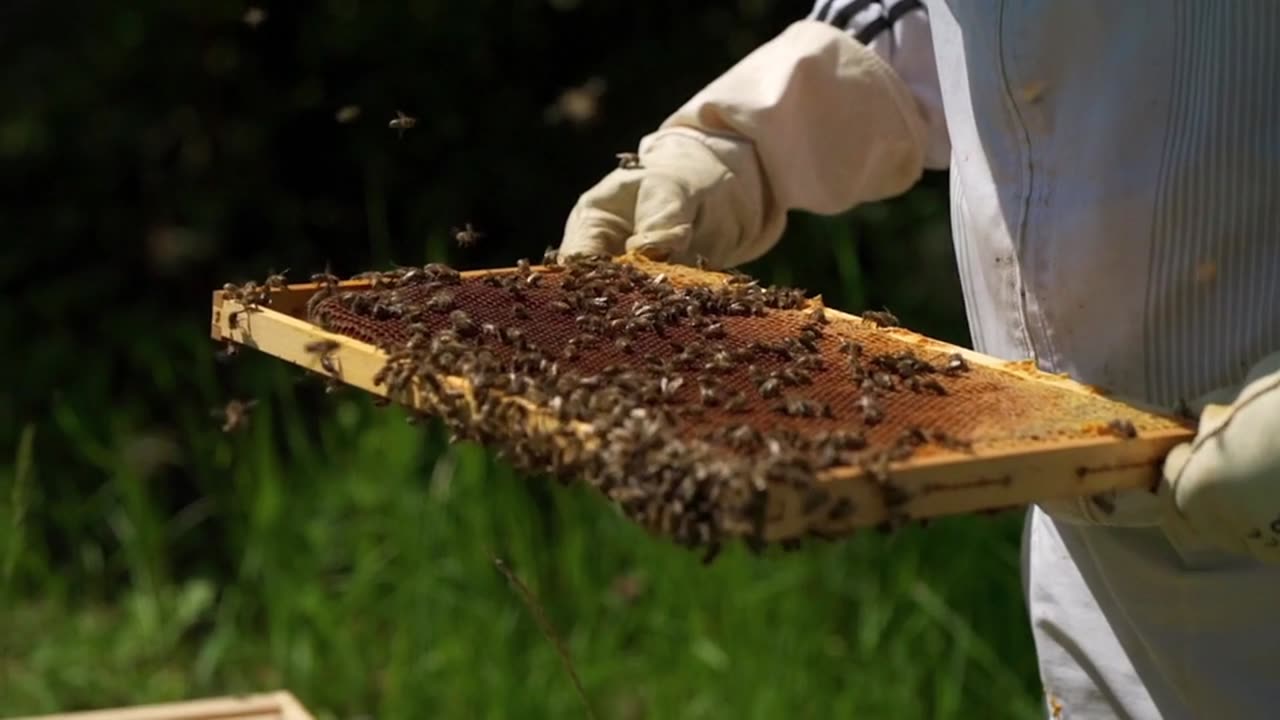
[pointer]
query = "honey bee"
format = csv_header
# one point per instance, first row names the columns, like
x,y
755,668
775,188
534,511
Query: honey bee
x,y
462,323
254,16
467,236
402,122
628,161
441,302
326,278
932,386
771,387
879,318
955,364
321,347
235,414
276,281
872,412
710,395
551,256
736,403
851,348
1122,428
324,349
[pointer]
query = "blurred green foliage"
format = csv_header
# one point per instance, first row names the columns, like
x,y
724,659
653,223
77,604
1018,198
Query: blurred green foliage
x,y
150,151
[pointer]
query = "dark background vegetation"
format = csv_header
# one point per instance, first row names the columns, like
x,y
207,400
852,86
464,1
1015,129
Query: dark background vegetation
x,y
150,151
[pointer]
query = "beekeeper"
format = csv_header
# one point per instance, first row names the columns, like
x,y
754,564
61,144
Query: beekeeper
x,y
1115,200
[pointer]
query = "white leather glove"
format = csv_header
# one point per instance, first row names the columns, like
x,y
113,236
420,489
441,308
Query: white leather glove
x,y
693,194
1225,484
811,120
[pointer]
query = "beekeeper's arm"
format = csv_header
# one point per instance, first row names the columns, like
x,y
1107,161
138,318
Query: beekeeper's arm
x,y
841,108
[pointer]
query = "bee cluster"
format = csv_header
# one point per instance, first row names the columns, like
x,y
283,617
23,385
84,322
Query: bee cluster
x,y
685,402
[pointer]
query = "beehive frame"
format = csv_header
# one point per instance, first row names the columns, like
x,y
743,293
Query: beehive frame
x,y
280,705
988,479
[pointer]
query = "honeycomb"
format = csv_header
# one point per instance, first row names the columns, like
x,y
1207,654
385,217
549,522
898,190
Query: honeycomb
x,y
690,374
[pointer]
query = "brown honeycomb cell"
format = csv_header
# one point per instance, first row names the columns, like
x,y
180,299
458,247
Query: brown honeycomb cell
x,y
980,404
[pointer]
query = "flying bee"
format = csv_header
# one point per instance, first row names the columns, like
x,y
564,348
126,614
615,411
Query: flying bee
x,y
326,278
323,350
467,236
321,347
628,161
235,415
276,281
402,122
230,350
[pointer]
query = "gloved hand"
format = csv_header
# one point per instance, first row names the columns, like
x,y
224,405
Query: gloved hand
x,y
1225,484
1222,488
693,194
811,120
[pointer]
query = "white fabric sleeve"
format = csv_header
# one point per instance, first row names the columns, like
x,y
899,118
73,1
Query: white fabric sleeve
x,y
898,31
831,123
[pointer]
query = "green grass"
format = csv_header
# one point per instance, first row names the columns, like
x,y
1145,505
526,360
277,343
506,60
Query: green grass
x,y
363,581
336,551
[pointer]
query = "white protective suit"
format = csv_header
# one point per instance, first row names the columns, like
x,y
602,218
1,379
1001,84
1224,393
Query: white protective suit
x,y
1115,173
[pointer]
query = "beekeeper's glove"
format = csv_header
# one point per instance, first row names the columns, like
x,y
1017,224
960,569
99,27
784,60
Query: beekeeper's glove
x,y
1225,483
812,120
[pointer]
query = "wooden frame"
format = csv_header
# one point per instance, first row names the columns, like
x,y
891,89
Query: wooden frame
x,y
988,480
280,705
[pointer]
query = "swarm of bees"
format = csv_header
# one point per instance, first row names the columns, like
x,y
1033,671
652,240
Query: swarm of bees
x,y
701,408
